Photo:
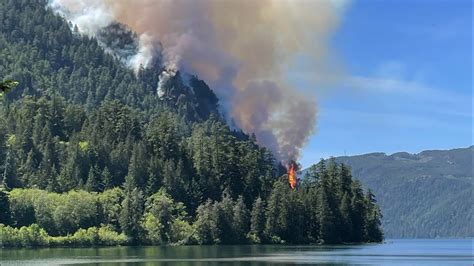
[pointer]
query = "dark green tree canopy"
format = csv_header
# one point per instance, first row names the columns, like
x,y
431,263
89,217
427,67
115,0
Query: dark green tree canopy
x,y
85,142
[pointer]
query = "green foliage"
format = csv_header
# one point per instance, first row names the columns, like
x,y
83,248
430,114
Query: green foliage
x,y
161,214
224,222
110,203
11,140
132,211
5,212
22,206
61,214
241,221
85,237
109,237
328,219
84,146
153,229
328,207
93,236
206,224
223,215
93,182
312,213
31,236
373,219
98,158
276,214
181,232
417,192
7,85
77,209
257,221
35,236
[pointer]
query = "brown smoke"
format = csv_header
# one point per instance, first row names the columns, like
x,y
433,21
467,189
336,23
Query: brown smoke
x,y
241,48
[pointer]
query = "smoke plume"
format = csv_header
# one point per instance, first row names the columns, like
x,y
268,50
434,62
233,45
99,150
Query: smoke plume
x,y
240,48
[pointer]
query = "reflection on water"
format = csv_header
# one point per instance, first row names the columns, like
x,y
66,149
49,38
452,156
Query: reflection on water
x,y
393,252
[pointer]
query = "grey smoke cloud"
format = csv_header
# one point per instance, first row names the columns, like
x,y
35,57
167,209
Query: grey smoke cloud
x,y
240,48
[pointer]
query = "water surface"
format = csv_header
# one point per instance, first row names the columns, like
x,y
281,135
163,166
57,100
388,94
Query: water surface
x,y
392,252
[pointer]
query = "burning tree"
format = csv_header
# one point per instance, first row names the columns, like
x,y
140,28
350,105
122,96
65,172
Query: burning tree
x,y
292,179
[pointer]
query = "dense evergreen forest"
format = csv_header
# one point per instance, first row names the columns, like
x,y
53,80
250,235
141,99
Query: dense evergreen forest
x,y
418,192
91,155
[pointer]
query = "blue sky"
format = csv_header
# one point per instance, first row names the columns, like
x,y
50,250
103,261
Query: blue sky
x,y
407,82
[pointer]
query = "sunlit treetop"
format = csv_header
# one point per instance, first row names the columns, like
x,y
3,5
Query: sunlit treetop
x,y
7,85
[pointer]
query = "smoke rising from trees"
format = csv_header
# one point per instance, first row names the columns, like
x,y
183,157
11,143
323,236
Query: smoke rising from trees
x,y
240,48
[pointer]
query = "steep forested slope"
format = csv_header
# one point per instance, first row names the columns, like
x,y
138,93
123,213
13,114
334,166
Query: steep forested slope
x,y
91,154
81,119
71,92
422,195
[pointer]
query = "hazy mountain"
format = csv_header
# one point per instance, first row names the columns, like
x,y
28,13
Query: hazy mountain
x,y
424,195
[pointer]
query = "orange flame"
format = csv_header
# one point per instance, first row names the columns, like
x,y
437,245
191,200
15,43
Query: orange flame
x,y
292,175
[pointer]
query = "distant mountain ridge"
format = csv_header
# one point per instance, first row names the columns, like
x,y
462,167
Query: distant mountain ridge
x,y
424,195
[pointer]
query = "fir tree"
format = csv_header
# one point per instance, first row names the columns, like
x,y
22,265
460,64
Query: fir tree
x,y
257,220
240,223
132,210
93,180
346,223
107,181
205,225
358,212
5,212
373,231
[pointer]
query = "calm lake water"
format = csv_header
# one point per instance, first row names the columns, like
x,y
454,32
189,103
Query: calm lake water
x,y
393,252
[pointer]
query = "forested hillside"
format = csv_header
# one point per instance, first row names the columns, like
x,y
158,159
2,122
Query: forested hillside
x,y
90,154
424,195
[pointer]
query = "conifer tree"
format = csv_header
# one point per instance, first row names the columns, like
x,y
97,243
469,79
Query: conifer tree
x,y
93,180
240,223
327,219
373,232
9,173
5,212
107,181
138,165
224,219
132,210
205,225
358,212
80,118
346,223
257,221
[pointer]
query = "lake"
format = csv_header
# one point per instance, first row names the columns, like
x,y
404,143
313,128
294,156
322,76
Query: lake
x,y
392,252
